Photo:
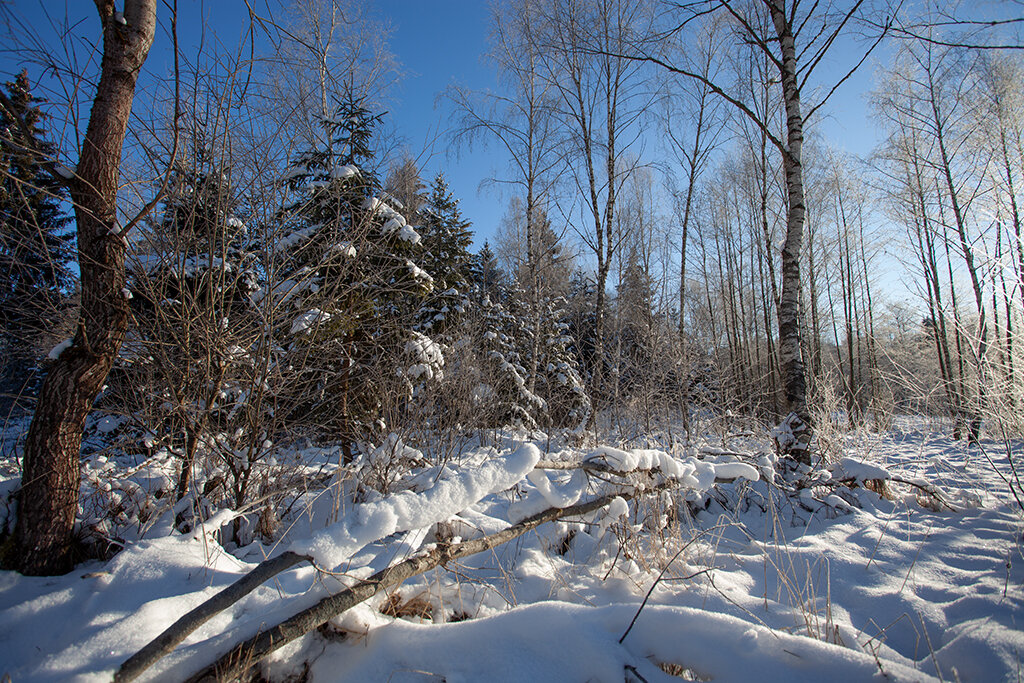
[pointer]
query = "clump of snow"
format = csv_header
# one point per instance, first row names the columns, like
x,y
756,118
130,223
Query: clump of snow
x,y
419,274
344,171
295,238
394,222
735,470
696,474
859,470
309,320
558,641
407,510
617,509
235,223
559,496
394,450
428,359
60,348
345,248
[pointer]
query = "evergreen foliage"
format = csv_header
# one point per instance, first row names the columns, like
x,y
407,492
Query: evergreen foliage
x,y
504,392
487,274
636,323
36,246
191,281
341,283
446,256
559,379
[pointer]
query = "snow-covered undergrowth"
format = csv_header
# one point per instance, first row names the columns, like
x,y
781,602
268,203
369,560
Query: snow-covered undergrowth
x,y
901,561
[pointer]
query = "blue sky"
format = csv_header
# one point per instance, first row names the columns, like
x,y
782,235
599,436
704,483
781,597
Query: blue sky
x,y
438,44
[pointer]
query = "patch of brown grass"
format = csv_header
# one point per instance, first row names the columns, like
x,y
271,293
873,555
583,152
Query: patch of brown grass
x,y
417,606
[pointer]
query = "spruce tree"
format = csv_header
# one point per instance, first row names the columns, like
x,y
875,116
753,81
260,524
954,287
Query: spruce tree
x,y
342,280
35,244
446,256
504,394
559,380
636,323
487,274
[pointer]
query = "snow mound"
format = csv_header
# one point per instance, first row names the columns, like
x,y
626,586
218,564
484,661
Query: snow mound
x,y
558,641
859,470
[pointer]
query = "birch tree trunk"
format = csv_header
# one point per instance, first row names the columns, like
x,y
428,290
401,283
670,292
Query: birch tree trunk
x,y
793,380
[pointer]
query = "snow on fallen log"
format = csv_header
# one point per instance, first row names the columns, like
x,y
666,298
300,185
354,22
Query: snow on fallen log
x,y
237,661
698,475
242,657
330,547
408,510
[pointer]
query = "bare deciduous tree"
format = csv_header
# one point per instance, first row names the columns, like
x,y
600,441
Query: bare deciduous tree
x,y
48,501
774,28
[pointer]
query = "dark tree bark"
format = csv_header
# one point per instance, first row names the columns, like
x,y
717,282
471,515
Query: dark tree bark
x,y
48,501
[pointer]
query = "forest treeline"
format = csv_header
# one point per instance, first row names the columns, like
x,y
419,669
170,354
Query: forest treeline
x,y
683,245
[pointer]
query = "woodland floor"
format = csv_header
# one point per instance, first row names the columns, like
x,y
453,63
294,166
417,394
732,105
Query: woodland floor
x,y
830,583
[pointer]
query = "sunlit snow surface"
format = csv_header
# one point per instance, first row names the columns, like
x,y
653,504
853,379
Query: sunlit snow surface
x,y
890,586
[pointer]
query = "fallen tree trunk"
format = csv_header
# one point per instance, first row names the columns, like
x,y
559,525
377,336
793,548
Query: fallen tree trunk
x,y
165,643
244,655
236,662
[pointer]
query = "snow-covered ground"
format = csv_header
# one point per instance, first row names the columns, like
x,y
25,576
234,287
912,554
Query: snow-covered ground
x,y
742,581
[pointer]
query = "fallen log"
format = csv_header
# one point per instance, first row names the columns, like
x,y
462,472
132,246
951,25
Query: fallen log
x,y
259,646
446,493
237,661
180,629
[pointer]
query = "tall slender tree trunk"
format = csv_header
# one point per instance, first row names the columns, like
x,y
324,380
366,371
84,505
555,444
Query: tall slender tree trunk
x,y
794,382
968,255
812,281
48,501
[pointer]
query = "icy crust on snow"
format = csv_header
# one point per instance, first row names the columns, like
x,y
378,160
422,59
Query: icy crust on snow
x,y
408,510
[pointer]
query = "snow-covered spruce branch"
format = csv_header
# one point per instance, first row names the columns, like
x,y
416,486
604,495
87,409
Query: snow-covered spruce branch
x,y
243,656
